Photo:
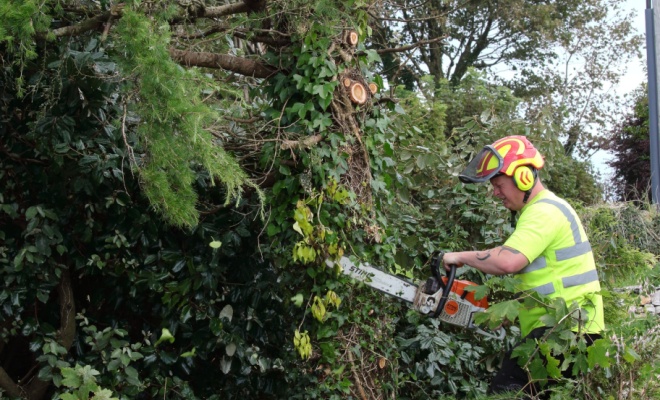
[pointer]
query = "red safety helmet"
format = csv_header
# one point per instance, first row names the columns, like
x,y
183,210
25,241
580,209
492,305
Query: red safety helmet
x,y
502,157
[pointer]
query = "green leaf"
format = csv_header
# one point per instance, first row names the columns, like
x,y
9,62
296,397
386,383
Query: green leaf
x,y
480,291
598,354
506,309
297,299
165,335
190,353
103,394
71,378
630,355
548,319
296,227
537,369
30,213
552,364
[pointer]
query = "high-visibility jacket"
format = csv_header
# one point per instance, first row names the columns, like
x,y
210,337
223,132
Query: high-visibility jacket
x,y
549,233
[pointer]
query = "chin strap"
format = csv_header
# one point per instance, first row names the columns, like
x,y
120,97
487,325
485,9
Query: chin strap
x,y
513,218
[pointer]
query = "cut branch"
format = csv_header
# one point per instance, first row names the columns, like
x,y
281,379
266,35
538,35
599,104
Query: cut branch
x,y
304,143
357,93
235,64
229,9
351,38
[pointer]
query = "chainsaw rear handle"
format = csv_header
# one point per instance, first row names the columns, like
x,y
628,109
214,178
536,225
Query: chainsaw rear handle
x,y
436,261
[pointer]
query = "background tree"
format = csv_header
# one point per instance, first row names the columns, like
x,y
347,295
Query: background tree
x,y
561,57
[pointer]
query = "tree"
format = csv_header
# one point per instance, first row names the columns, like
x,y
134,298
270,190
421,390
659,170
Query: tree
x,y
561,57
630,145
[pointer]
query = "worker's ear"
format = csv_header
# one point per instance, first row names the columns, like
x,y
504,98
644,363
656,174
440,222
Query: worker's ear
x,y
524,177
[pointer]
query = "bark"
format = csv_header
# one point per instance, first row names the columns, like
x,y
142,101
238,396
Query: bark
x,y
8,385
97,21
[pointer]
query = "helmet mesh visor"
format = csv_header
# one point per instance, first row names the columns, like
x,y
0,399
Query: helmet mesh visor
x,y
484,166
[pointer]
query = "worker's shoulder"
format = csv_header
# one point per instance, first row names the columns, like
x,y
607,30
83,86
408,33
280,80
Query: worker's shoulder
x,y
548,203
547,198
554,210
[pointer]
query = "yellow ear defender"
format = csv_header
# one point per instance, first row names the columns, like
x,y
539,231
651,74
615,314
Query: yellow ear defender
x,y
524,177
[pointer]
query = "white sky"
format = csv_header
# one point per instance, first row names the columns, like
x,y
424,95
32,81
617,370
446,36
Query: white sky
x,y
634,77
637,70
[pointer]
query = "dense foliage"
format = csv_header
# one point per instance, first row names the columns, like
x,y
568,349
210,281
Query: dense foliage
x,y
175,174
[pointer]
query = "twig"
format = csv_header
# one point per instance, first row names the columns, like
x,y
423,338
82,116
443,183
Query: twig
x,y
411,46
361,391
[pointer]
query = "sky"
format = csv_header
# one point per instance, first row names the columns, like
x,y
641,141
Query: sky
x,y
634,77
636,71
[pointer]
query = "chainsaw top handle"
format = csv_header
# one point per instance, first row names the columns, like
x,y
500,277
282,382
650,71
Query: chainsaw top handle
x,y
436,262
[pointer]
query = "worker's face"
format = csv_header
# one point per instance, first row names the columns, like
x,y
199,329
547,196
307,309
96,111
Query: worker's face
x,y
505,189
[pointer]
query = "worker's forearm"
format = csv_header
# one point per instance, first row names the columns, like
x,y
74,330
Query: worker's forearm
x,y
497,261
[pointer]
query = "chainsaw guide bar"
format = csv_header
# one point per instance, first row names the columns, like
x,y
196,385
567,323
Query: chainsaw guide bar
x,y
457,305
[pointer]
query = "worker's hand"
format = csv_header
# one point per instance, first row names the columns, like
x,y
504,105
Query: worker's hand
x,y
451,259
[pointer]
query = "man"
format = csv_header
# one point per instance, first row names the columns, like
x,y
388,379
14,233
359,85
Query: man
x,y
548,251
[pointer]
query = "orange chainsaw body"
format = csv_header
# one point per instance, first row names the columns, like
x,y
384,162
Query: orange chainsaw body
x,y
458,287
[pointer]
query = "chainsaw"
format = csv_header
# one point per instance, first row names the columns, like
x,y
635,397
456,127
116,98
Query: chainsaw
x,y
442,297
